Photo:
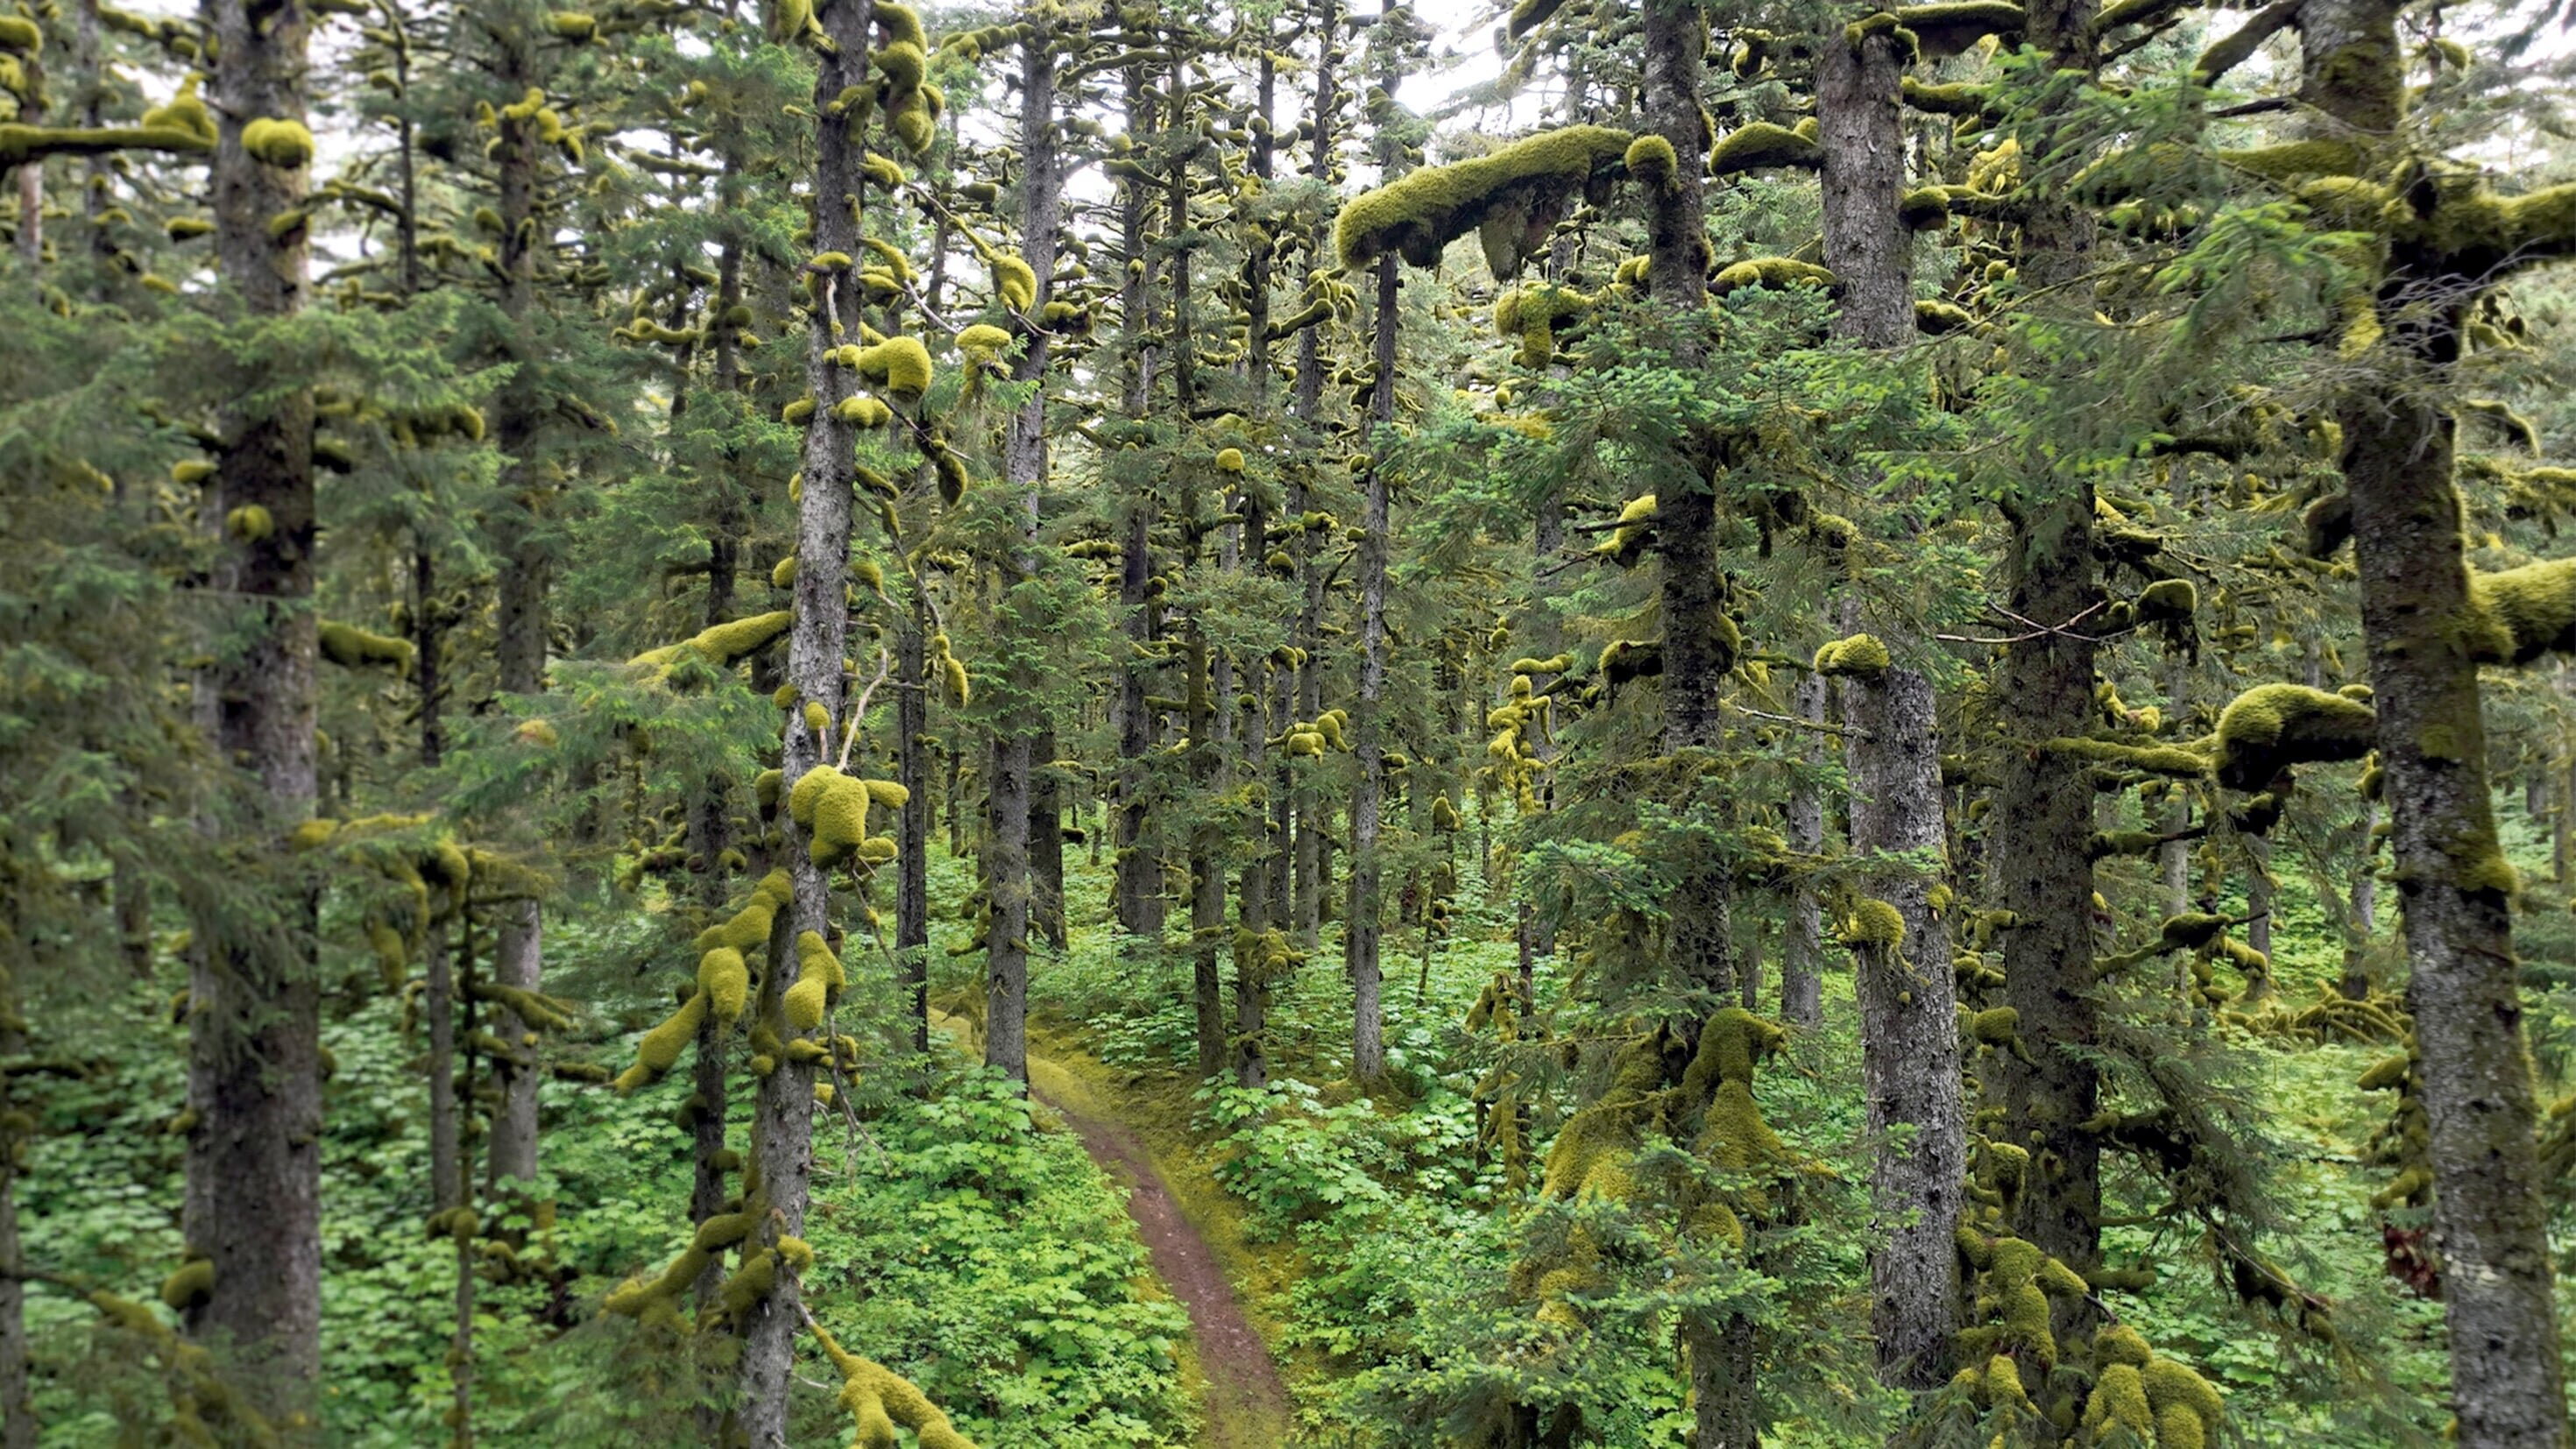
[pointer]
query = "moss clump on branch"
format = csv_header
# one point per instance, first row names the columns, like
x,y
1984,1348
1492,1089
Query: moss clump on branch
x,y
284,144
901,365
1872,923
1512,197
1860,656
2273,726
659,1050
723,644
1762,146
2181,762
351,647
2522,614
1533,315
1651,160
878,1399
1768,272
1945,30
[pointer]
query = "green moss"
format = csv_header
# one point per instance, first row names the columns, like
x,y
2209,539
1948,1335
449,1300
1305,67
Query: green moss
x,y
1420,213
250,523
1779,272
1963,98
284,144
724,644
1229,460
2522,614
1997,1026
2177,1393
1650,159
2271,727
1529,15
984,342
2177,761
1873,923
2168,599
351,647
1762,146
725,980
192,1284
900,364
2118,1402
1860,655
878,1400
2297,160
2189,931
863,412
835,808
1948,29
660,1048
1015,282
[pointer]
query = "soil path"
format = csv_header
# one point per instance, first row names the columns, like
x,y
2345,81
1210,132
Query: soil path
x,y
1246,1404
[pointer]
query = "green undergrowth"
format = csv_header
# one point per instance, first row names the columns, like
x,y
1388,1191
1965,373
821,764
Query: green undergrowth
x,y
920,1224
1372,1237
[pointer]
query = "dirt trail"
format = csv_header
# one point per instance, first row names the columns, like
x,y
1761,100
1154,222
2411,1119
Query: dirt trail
x,y
1246,1404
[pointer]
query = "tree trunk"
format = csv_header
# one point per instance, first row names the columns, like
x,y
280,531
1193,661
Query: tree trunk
x,y
1909,1034
1139,890
1006,928
1046,842
438,1012
1363,923
1867,245
17,1398
1024,470
518,957
782,1130
2174,856
1301,870
254,1042
2489,1215
1802,986
912,868
2044,807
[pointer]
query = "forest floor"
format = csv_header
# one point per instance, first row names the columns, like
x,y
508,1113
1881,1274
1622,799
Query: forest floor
x,y
1243,1398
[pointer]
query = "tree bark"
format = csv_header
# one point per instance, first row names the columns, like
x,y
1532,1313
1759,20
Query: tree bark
x,y
1302,811
912,867
782,1129
2044,806
1024,471
1802,986
17,1397
2489,1215
1867,245
438,1012
1360,929
254,1042
1909,1034
1139,890
518,956
1046,842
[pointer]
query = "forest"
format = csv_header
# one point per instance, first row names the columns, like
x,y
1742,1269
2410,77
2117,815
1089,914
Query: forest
x,y
1753,724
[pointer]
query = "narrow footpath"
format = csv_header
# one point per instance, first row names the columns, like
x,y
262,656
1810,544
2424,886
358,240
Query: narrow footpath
x,y
1245,1403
